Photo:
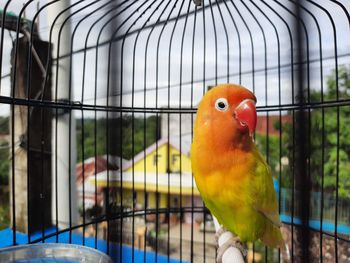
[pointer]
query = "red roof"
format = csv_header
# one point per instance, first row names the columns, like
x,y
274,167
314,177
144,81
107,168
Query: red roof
x,y
89,167
264,121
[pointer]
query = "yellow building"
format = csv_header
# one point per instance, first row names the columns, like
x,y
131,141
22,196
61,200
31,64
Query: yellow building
x,y
161,173
166,169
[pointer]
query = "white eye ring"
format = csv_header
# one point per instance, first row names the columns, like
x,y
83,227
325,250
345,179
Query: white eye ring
x,y
221,104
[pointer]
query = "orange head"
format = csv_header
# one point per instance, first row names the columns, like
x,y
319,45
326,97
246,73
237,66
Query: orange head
x,y
226,116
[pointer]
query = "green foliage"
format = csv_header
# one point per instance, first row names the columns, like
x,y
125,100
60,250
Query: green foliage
x,y
89,140
128,136
327,132
142,131
270,148
4,207
137,135
4,152
4,125
4,163
328,137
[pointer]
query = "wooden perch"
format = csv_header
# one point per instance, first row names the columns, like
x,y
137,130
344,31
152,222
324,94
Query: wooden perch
x,y
231,254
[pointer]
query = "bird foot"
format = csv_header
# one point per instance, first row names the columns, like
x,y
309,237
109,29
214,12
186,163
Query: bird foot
x,y
233,241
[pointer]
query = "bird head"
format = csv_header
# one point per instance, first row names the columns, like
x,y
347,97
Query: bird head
x,y
227,115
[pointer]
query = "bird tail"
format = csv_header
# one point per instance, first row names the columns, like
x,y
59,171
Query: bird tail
x,y
273,237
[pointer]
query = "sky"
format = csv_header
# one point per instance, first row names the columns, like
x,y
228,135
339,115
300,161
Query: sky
x,y
183,57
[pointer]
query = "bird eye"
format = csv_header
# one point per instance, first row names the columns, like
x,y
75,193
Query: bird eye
x,y
221,104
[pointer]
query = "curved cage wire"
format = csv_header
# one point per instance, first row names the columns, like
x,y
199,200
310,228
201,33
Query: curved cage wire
x,y
98,100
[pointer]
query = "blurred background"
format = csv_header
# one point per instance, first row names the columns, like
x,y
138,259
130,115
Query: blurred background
x,y
97,103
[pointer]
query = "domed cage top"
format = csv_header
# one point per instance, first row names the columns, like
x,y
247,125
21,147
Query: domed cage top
x,y
98,100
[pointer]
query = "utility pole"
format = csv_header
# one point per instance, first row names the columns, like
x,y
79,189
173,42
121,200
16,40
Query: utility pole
x,y
64,201
30,182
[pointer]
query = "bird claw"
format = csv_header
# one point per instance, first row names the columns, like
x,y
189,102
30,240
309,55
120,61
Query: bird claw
x,y
234,241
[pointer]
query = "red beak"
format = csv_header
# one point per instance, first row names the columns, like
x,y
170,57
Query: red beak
x,y
245,114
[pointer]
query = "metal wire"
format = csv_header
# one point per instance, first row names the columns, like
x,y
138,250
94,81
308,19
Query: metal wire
x,y
136,71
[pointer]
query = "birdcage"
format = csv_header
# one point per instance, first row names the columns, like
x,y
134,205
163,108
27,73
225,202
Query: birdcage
x,y
98,100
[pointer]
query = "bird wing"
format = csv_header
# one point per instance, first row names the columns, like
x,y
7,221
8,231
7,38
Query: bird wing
x,y
263,195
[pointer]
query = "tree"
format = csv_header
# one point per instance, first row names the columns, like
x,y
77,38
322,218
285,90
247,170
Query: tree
x,y
135,134
4,164
328,137
4,152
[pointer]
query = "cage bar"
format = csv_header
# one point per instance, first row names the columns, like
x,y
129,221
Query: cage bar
x,y
136,71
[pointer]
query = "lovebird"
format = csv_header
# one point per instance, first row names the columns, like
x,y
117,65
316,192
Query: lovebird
x,y
232,176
